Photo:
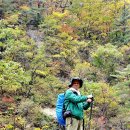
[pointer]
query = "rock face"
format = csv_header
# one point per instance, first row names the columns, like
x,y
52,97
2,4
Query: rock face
x,y
49,111
37,36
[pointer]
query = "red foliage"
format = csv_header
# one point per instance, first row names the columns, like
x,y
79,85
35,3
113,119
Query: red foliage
x,y
8,99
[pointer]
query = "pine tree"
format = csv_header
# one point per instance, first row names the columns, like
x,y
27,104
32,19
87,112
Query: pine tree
x,y
121,30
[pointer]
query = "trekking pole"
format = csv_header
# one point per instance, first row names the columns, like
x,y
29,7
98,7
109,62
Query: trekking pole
x,y
90,115
83,124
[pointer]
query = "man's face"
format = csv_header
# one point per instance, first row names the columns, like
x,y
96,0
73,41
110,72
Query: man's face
x,y
76,84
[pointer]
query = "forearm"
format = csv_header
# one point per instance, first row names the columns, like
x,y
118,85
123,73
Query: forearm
x,y
75,98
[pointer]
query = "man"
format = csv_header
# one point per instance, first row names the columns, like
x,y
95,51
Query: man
x,y
75,103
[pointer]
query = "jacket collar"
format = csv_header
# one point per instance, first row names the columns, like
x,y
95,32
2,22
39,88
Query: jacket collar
x,y
74,90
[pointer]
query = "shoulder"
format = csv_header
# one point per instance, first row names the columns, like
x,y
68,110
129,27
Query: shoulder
x,y
70,92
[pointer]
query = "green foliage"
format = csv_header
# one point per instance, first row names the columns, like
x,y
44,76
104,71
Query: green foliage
x,y
120,34
12,76
104,56
31,15
123,85
81,70
124,74
5,5
14,39
106,103
44,88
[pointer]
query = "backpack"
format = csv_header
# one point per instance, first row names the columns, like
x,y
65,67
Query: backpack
x,y
59,109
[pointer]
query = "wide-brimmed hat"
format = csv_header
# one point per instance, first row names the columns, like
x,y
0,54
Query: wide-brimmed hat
x,y
76,79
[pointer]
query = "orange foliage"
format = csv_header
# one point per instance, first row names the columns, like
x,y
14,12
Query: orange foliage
x,y
70,30
66,28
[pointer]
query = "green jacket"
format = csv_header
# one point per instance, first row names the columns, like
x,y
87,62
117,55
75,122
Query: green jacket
x,y
76,104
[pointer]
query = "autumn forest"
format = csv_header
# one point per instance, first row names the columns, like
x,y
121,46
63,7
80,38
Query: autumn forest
x,y
44,43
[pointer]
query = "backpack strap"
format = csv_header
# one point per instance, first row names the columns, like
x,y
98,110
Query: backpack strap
x,y
65,108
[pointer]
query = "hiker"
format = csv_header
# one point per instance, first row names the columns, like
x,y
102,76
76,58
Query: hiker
x,y
74,104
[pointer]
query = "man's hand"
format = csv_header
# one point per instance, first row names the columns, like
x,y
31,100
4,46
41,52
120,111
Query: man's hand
x,y
89,100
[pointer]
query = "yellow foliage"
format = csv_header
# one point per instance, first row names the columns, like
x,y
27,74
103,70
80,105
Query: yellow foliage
x,y
37,129
60,15
120,3
13,87
29,54
57,55
113,104
127,1
25,8
95,55
20,120
87,64
12,18
83,14
125,48
103,34
9,127
63,54
77,23
45,127
66,37
42,73
66,13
